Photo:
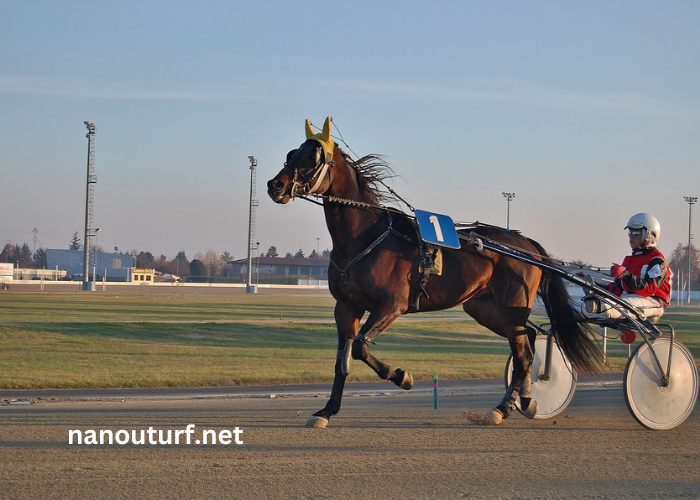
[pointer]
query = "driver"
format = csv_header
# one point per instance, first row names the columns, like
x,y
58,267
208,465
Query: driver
x,y
643,279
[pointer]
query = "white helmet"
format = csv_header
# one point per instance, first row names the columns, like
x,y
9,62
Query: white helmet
x,y
651,229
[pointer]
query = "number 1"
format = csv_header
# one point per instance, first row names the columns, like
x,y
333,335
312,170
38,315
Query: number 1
x,y
438,230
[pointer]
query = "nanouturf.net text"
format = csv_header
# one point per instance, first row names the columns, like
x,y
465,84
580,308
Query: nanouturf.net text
x,y
153,436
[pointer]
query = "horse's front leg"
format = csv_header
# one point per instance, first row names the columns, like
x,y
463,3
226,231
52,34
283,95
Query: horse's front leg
x,y
378,321
347,320
520,383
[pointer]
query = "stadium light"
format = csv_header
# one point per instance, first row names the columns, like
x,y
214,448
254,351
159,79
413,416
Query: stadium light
x,y
690,200
509,197
251,226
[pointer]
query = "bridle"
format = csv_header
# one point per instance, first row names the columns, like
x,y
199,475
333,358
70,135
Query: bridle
x,y
308,184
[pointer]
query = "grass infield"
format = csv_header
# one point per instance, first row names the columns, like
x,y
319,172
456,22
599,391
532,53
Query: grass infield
x,y
75,340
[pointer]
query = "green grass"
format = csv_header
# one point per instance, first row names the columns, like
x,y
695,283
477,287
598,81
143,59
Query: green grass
x,y
70,340
154,307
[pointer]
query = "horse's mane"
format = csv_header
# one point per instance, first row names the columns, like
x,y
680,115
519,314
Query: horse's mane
x,y
372,171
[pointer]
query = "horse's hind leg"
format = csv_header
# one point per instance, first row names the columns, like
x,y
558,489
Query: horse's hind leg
x,y
378,321
528,406
521,382
509,322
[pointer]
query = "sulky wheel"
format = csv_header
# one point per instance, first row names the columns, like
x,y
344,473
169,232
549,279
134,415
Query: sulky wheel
x,y
555,394
653,404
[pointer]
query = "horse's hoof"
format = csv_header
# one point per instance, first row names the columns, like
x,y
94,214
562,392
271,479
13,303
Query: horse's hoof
x,y
316,422
530,411
406,379
494,417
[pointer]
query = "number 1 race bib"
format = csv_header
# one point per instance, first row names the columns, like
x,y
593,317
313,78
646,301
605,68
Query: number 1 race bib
x,y
437,229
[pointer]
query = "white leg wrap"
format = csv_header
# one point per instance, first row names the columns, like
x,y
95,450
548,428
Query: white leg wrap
x,y
345,357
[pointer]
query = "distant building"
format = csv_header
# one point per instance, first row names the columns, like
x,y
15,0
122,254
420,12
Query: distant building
x,y
114,266
6,272
281,269
143,276
38,274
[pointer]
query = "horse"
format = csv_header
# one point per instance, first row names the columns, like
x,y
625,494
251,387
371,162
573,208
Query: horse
x,y
378,266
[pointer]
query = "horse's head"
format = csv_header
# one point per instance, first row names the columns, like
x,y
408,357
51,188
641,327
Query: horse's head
x,y
306,168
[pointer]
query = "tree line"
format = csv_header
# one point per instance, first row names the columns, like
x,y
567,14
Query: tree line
x,y
678,262
214,265
209,264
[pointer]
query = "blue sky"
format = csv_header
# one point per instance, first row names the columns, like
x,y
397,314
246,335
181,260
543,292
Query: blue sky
x,y
588,111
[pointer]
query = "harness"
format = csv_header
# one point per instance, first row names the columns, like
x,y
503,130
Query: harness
x,y
427,256
302,185
305,186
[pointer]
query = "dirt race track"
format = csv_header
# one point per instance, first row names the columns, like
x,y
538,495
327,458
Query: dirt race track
x,y
383,444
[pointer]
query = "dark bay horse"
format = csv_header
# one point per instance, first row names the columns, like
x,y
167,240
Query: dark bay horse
x,y
376,267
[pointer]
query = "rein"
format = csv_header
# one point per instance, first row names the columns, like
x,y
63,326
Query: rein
x,y
470,238
352,203
364,253
477,240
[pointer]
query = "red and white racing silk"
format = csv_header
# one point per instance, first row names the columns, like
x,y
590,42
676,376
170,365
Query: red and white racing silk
x,y
646,274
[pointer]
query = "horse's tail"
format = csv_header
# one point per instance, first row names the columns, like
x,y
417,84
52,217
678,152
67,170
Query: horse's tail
x,y
574,337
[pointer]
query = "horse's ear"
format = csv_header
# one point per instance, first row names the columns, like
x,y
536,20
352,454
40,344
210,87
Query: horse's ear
x,y
326,134
323,138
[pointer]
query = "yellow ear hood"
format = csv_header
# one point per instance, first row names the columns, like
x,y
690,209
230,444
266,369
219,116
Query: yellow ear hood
x,y
324,138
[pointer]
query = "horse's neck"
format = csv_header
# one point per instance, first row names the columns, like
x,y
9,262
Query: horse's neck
x,y
347,224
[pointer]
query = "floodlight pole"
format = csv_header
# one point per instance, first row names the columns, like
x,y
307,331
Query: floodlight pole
x,y
690,200
249,288
89,199
509,197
